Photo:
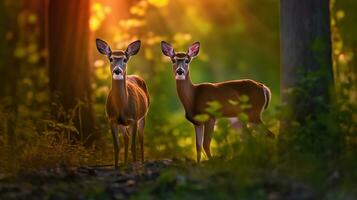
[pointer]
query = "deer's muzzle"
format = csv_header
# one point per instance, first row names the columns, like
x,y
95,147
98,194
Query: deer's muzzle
x,y
180,74
118,74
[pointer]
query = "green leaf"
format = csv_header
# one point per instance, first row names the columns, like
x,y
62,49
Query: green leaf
x,y
213,108
201,117
233,102
243,98
243,117
245,106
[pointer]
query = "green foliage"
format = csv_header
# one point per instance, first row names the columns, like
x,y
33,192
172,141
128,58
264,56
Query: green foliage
x,y
318,129
202,118
213,108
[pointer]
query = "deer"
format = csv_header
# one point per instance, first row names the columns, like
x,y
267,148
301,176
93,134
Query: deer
x,y
195,97
128,100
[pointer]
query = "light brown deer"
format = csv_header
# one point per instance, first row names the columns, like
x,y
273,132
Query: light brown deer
x,y
194,97
128,100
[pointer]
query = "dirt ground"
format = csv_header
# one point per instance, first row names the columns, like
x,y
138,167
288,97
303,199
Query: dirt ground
x,y
161,179
92,182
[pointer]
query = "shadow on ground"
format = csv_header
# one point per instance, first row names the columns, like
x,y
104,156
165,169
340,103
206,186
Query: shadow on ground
x,y
93,182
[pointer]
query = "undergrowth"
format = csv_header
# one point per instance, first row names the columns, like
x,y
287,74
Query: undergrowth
x,y
49,143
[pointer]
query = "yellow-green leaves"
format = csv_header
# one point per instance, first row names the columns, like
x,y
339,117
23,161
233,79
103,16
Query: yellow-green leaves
x,y
213,108
243,117
243,98
201,117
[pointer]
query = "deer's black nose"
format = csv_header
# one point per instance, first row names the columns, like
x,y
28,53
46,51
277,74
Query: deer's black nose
x,y
116,71
179,71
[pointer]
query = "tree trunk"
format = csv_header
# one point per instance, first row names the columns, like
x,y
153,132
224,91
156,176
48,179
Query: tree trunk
x,y
306,60
69,68
307,80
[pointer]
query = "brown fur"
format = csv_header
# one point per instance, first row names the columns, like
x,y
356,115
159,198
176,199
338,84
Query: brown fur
x,y
195,97
128,100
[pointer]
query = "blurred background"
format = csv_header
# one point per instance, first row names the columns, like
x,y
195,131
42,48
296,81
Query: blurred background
x,y
54,83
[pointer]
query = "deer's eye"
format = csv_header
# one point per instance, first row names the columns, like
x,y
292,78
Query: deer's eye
x,y
186,61
125,60
111,59
173,61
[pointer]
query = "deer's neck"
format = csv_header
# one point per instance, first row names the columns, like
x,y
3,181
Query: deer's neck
x,y
185,91
120,92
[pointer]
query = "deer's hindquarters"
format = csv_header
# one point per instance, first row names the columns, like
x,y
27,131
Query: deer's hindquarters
x,y
267,96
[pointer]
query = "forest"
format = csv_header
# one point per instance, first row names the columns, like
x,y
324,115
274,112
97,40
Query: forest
x,y
75,123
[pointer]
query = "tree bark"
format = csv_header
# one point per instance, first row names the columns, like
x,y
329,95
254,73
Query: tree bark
x,y
69,68
307,125
306,60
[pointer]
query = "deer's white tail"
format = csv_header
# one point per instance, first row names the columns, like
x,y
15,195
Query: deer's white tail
x,y
267,96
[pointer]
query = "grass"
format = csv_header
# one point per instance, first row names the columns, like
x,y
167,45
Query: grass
x,y
49,151
247,177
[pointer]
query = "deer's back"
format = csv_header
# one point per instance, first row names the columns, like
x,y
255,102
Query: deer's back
x,y
227,92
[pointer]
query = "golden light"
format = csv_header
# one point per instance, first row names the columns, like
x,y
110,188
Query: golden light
x,y
340,14
159,3
342,58
99,63
94,23
98,14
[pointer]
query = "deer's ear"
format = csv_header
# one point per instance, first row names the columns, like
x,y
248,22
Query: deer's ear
x,y
103,47
167,49
193,49
133,48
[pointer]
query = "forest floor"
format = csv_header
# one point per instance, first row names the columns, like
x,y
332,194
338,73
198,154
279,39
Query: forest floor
x,y
92,182
158,179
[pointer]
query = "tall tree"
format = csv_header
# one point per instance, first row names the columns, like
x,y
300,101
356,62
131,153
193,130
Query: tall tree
x,y
69,68
306,75
9,65
306,62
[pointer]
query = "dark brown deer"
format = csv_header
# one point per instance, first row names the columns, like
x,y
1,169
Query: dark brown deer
x,y
194,97
128,100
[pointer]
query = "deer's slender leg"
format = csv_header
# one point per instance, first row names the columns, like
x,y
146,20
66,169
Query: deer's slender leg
x,y
125,133
199,140
114,129
133,139
208,130
141,126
